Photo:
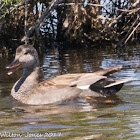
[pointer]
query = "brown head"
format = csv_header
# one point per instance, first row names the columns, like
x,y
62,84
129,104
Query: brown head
x,y
26,56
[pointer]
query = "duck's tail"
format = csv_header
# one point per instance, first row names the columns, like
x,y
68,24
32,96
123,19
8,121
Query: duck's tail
x,y
107,87
106,71
118,82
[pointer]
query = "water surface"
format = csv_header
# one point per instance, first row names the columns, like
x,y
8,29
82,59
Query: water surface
x,y
82,119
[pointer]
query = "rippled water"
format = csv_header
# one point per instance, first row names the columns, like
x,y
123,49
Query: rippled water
x,y
79,120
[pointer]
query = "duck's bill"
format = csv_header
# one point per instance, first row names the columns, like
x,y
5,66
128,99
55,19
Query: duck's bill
x,y
15,65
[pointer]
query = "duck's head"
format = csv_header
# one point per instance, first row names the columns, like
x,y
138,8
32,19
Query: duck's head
x,y
26,56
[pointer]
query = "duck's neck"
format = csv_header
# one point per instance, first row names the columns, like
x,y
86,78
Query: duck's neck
x,y
31,74
28,80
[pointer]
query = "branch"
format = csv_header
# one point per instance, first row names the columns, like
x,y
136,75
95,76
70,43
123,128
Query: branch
x,y
132,33
18,5
97,5
42,18
70,4
120,16
134,11
126,10
136,3
128,33
25,22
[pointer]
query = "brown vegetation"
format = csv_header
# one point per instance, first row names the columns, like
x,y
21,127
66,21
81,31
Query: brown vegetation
x,y
71,22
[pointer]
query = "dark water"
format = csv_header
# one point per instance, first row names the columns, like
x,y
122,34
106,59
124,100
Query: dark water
x,y
79,120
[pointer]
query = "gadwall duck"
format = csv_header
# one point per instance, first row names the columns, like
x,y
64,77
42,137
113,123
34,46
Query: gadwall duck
x,y
29,90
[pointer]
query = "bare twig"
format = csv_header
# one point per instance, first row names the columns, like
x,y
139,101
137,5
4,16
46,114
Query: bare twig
x,y
96,5
121,15
129,31
25,24
126,10
132,33
136,3
42,18
18,5
134,11
70,4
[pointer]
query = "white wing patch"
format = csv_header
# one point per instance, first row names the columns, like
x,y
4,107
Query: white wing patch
x,y
83,87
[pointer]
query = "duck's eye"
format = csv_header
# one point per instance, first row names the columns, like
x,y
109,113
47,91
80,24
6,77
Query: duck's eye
x,y
26,52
